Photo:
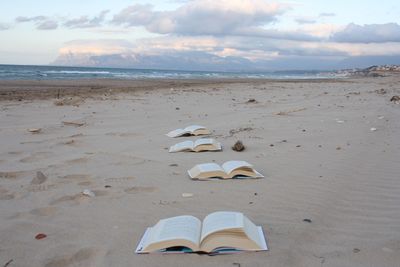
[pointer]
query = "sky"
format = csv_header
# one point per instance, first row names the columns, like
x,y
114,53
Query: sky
x,y
258,34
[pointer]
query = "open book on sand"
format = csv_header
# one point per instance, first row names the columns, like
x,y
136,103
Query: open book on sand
x,y
220,232
203,144
230,169
190,130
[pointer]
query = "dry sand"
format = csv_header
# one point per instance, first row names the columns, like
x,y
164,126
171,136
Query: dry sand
x,y
321,160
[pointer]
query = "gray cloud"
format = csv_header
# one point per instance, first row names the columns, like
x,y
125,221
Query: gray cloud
x,y
86,22
136,15
217,52
275,34
201,17
370,33
327,14
47,25
41,22
29,19
4,26
305,21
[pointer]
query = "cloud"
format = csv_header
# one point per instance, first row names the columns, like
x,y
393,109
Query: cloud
x,y
96,47
217,53
41,22
86,22
327,14
305,21
369,33
29,19
4,26
323,31
47,25
202,17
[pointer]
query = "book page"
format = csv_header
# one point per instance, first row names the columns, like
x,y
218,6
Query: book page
x,y
176,133
193,128
231,165
221,220
185,145
209,167
206,170
252,231
203,141
180,227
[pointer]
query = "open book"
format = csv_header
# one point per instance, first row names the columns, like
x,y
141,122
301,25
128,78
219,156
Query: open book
x,y
220,232
203,144
230,169
190,130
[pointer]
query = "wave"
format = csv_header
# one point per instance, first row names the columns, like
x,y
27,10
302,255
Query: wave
x,y
75,72
15,72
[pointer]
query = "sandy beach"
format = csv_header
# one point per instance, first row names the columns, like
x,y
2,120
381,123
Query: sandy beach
x,y
329,150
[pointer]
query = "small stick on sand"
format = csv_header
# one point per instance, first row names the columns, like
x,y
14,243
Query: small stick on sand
x,y
284,113
34,130
73,123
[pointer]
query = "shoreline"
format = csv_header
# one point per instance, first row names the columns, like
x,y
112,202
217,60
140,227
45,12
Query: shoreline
x,y
53,89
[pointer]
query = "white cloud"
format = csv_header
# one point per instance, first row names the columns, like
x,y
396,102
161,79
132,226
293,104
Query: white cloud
x,y
305,20
4,26
29,19
86,22
41,22
323,31
47,25
326,14
96,47
370,33
202,17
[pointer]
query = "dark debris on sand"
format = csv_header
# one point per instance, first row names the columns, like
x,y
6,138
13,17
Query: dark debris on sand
x,y
238,146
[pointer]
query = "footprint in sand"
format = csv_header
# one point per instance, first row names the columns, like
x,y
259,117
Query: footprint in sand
x,y
45,211
71,199
5,195
83,179
71,142
85,183
82,257
119,179
100,193
10,175
36,157
79,198
123,134
15,152
40,178
41,187
140,189
77,161
76,177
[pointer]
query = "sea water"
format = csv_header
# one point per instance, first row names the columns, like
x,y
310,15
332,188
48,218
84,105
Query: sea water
x,y
22,72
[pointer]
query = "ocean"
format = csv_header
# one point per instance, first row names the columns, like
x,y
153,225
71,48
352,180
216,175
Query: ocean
x,y
30,72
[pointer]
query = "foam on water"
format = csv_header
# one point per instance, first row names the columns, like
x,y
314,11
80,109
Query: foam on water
x,y
19,72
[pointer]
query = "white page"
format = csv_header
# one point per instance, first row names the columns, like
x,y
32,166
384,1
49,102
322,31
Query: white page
x,y
193,128
209,167
252,232
204,141
182,146
180,227
231,165
221,220
176,133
